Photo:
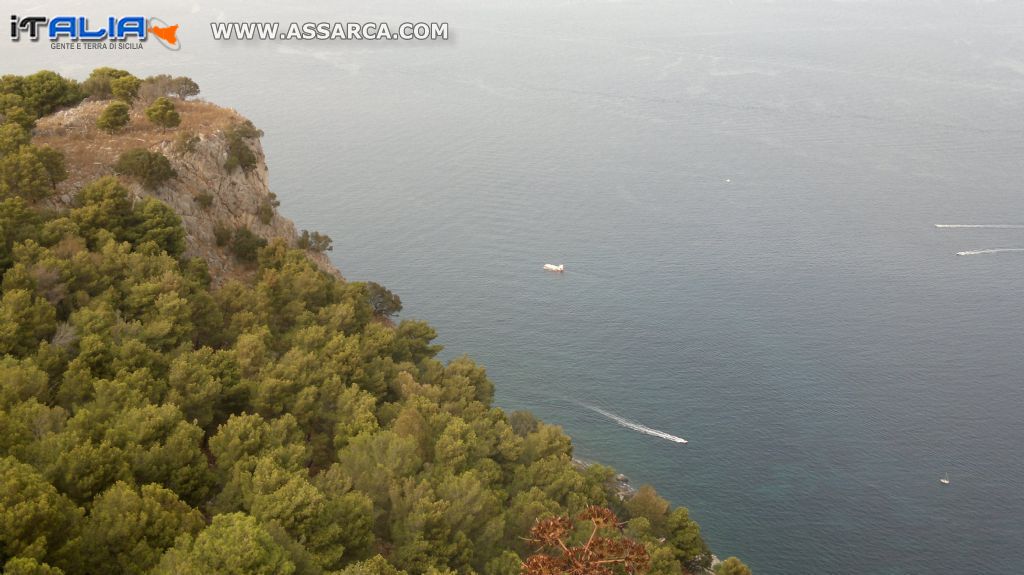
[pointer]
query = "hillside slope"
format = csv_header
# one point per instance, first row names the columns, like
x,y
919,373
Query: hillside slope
x,y
249,410
237,196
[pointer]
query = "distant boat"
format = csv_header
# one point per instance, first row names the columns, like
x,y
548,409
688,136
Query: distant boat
x,y
554,268
945,480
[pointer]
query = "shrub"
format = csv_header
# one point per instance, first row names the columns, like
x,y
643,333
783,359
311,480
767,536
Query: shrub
x,y
27,171
384,302
159,224
204,199
161,85
315,242
222,234
732,566
105,209
53,161
18,116
240,155
184,87
246,130
125,88
163,114
114,117
151,168
186,143
22,174
9,102
99,84
246,245
42,93
12,138
265,213
18,222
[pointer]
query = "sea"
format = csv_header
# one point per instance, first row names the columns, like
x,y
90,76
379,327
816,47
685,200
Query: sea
x,y
791,232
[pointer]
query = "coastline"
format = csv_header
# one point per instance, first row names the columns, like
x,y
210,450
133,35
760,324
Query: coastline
x,y
624,489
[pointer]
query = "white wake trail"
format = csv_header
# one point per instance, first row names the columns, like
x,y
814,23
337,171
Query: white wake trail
x,y
991,251
634,425
989,226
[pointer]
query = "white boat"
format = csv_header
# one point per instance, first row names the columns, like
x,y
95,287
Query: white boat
x,y
554,268
945,480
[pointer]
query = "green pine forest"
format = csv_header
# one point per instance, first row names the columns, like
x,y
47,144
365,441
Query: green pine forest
x,y
280,423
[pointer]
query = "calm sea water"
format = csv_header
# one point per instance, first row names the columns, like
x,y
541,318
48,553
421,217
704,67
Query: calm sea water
x,y
744,195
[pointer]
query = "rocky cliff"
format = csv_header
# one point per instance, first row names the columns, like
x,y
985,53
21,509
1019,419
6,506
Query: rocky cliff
x,y
204,193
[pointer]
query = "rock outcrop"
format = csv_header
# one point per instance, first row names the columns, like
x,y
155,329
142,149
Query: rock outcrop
x,y
204,193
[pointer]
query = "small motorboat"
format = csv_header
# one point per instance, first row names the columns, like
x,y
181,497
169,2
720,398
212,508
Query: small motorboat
x,y
554,268
944,480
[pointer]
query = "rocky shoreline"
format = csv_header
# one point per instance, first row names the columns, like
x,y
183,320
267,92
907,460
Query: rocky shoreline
x,y
624,490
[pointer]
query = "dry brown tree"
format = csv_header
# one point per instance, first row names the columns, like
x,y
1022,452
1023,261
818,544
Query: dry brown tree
x,y
604,552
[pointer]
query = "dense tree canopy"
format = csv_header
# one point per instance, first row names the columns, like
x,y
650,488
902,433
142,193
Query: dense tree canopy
x,y
26,171
43,92
161,85
152,423
99,84
12,110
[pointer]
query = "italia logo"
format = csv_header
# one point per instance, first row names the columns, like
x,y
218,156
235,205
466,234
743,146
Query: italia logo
x,y
123,29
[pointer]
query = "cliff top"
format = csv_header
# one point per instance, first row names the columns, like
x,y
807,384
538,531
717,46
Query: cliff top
x,y
210,198
90,152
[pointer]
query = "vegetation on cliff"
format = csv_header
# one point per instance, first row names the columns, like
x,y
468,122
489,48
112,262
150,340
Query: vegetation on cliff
x,y
278,423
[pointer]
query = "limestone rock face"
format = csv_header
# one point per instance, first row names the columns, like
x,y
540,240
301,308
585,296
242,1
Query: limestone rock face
x,y
204,194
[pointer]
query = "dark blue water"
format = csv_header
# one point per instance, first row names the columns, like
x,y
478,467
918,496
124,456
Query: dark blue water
x,y
744,197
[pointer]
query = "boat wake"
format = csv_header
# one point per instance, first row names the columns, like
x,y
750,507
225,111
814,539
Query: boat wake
x,y
634,425
989,226
992,251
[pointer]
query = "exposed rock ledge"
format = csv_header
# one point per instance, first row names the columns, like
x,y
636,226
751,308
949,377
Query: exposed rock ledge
x,y
236,196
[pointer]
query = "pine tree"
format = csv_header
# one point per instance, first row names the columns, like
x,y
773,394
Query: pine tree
x,y
163,114
114,117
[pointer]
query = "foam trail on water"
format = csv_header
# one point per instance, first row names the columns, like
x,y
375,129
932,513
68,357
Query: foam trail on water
x,y
992,251
634,425
990,226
